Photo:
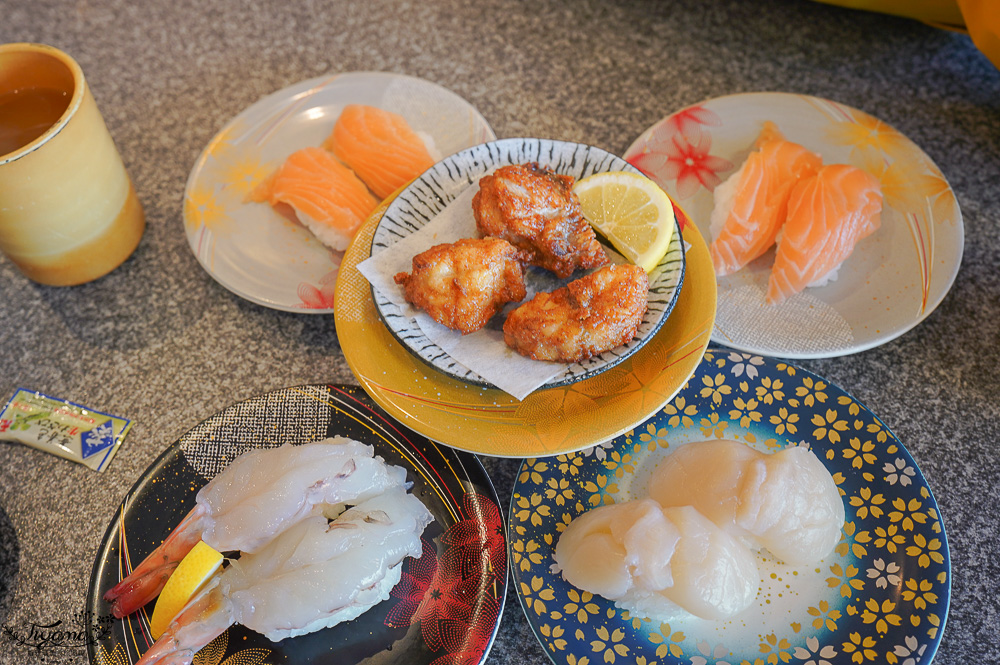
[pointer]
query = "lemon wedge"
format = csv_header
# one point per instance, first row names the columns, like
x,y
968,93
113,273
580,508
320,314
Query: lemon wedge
x,y
631,211
190,575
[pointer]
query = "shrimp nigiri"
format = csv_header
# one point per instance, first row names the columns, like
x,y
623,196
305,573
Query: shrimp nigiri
x,y
327,197
652,561
312,576
380,146
785,501
751,205
828,214
261,493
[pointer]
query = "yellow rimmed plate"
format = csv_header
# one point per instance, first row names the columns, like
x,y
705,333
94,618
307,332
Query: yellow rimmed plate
x,y
548,422
442,186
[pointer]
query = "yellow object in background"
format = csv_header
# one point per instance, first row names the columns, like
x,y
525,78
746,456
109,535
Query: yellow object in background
x,y
980,19
196,568
68,211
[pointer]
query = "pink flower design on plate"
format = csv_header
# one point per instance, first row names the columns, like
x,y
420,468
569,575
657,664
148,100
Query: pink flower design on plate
x,y
679,150
319,296
689,122
446,596
689,163
485,532
451,594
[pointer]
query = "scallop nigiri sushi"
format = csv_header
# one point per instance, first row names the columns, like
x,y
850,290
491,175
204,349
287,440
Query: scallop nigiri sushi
x,y
751,205
785,501
327,197
828,214
379,146
658,563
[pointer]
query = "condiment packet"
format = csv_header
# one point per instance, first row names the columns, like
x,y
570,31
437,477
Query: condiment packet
x,y
484,352
63,428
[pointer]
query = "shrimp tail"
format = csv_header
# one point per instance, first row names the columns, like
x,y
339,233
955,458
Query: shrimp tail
x,y
133,592
205,617
147,580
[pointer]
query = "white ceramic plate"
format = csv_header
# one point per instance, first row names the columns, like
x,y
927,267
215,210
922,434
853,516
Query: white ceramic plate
x,y
893,280
429,194
251,249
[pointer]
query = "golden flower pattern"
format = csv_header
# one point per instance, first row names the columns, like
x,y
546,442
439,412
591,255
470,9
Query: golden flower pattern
x,y
911,183
235,169
202,207
609,643
116,656
873,605
213,653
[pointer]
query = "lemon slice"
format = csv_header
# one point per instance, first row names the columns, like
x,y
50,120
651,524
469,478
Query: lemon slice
x,y
190,575
631,211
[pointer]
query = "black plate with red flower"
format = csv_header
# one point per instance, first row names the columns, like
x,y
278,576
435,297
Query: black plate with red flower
x,y
448,604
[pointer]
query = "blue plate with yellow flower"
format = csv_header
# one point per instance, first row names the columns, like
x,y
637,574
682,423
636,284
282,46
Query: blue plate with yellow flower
x,y
880,597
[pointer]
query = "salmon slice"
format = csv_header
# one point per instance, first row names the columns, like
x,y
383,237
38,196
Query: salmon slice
x,y
327,197
380,146
751,205
828,214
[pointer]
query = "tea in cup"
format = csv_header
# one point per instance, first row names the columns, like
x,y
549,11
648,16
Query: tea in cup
x,y
68,211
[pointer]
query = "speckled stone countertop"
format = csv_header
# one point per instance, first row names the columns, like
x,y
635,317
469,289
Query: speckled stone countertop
x,y
160,342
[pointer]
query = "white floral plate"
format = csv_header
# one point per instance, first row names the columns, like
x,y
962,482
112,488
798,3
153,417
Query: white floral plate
x,y
881,596
894,279
251,249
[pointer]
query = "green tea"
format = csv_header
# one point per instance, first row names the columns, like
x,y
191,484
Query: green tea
x,y
27,113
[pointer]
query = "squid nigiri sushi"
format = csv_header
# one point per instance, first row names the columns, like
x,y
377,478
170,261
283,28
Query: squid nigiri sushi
x,y
261,493
379,146
828,214
327,197
656,562
785,501
315,574
751,205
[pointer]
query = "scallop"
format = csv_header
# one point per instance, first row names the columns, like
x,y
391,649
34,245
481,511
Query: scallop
x,y
654,561
786,502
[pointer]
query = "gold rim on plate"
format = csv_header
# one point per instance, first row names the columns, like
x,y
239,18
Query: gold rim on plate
x,y
552,421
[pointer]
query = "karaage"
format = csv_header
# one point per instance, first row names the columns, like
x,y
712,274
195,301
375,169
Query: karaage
x,y
461,285
586,317
536,210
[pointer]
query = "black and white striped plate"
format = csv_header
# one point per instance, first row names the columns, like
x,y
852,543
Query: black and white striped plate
x,y
436,188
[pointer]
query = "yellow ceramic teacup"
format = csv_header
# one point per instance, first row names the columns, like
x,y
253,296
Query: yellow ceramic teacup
x,y
68,211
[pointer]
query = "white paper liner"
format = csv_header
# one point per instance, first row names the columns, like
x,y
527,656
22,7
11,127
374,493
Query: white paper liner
x,y
484,352
801,325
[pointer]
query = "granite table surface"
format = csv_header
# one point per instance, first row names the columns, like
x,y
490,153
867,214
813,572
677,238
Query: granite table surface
x,y
160,342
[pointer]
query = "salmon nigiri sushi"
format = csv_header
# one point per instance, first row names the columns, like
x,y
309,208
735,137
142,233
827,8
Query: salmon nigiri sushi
x,y
380,146
327,197
751,205
828,214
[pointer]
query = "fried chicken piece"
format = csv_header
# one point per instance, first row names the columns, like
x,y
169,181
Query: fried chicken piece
x,y
463,284
586,317
536,210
